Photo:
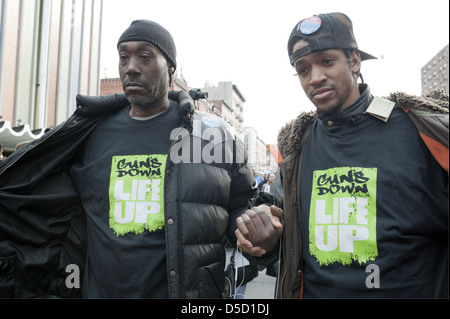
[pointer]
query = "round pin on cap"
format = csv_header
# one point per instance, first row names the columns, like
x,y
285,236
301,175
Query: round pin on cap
x,y
310,25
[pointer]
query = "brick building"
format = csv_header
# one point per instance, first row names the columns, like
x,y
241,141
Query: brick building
x,y
228,102
434,74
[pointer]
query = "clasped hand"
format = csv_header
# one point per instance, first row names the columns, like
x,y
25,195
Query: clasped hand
x,y
259,229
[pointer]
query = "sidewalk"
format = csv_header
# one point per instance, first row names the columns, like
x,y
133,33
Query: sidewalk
x,y
262,287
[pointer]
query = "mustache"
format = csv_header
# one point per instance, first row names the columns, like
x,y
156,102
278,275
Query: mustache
x,y
321,88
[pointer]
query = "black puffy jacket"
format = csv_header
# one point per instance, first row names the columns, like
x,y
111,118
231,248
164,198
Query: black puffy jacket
x,y
43,225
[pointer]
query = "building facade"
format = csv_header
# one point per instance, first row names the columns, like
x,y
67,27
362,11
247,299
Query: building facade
x,y
228,102
49,53
434,74
259,157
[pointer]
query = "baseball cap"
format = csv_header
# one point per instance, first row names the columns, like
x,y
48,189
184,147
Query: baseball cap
x,y
152,32
323,32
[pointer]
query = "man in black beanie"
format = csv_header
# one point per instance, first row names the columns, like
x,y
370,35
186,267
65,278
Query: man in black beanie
x,y
130,190
151,32
154,47
166,217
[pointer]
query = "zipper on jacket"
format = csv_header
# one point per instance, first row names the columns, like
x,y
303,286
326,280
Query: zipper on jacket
x,y
169,172
281,273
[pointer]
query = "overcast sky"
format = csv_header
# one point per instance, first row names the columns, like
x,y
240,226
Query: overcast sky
x,y
244,41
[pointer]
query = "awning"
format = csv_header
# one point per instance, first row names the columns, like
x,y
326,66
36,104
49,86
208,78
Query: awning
x,y
11,136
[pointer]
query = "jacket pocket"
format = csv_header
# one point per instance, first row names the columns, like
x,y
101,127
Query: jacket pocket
x,y
7,276
211,281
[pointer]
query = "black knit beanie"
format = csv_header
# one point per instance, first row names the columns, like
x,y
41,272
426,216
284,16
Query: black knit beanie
x,y
149,31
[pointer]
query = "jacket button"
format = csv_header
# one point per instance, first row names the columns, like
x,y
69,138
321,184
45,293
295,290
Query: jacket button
x,y
172,274
330,123
168,172
170,221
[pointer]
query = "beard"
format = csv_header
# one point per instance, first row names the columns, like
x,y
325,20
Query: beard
x,y
148,100
155,92
342,90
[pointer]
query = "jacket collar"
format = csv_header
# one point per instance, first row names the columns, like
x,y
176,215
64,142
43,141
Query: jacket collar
x,y
96,105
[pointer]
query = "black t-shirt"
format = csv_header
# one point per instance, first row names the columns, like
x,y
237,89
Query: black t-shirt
x,y
120,175
374,209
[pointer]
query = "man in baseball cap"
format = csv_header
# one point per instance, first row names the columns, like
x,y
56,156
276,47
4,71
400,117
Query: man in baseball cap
x,y
330,34
320,34
354,177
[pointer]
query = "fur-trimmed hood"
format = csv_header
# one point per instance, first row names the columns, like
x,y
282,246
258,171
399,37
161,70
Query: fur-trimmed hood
x,y
291,134
435,101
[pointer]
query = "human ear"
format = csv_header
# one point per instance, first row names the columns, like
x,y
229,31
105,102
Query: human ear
x,y
355,62
171,71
